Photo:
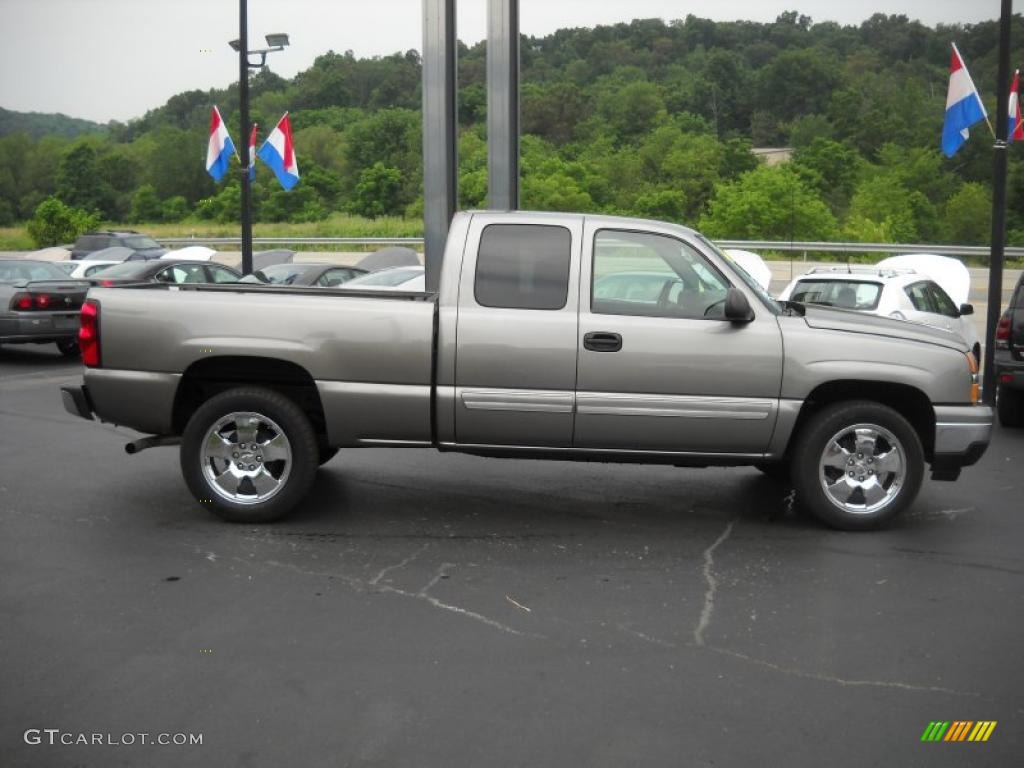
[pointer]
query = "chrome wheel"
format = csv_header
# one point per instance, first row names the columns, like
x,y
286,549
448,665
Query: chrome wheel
x,y
246,457
863,468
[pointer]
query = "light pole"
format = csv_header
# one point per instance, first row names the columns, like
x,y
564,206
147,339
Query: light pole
x,y
275,42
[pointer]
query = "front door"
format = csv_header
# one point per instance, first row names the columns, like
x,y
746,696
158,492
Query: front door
x,y
515,367
660,369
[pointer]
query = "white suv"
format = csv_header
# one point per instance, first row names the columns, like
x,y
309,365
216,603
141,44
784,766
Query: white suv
x,y
901,293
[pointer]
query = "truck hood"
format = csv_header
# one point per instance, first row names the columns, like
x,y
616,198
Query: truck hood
x,y
852,321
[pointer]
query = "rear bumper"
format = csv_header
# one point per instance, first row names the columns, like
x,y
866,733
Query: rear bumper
x,y
962,434
38,327
1009,372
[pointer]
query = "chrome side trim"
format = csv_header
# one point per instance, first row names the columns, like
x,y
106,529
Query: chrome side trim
x,y
678,406
527,401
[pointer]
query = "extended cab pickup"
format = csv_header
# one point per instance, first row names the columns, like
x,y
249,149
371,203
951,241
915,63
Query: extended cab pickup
x,y
555,336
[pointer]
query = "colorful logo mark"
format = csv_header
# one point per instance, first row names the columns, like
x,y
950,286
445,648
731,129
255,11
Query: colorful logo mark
x,y
959,730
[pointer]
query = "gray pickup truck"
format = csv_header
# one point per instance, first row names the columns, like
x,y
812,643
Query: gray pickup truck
x,y
554,336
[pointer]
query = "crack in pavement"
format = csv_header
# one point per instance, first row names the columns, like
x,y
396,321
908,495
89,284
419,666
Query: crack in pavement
x,y
712,582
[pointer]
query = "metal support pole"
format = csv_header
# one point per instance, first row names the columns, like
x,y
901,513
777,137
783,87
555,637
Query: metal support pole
x,y
995,267
243,136
503,104
440,132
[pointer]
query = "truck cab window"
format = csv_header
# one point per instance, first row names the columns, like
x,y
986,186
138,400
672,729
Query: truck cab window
x,y
523,266
638,273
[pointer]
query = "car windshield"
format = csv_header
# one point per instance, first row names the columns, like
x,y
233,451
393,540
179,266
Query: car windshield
x,y
389,277
281,274
127,269
845,294
742,274
16,271
140,242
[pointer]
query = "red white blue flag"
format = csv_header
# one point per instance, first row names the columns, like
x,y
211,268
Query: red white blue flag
x,y
252,152
1015,129
220,148
963,106
279,153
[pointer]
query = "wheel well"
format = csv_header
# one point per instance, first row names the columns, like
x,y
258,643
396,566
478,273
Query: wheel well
x,y
911,403
211,376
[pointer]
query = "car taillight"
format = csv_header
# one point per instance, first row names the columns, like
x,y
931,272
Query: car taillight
x,y
89,333
106,283
21,301
42,301
1003,331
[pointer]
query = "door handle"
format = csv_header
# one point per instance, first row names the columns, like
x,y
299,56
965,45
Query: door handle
x,y
602,341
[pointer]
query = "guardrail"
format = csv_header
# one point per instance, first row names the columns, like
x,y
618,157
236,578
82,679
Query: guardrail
x,y
749,245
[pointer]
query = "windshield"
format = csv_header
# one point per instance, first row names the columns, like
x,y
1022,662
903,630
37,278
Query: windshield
x,y
127,269
281,274
742,274
387,277
140,242
843,294
16,271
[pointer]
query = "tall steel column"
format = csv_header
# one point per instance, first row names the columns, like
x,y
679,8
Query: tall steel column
x,y
243,136
440,132
503,104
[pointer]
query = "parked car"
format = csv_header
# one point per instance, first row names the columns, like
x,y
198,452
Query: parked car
x,y
902,294
161,271
143,246
39,304
393,279
1009,360
514,357
324,275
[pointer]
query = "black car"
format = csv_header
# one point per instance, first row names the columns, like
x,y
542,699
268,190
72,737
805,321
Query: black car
x,y
39,304
144,246
1009,359
323,275
165,271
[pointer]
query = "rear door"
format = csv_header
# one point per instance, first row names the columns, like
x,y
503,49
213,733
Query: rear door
x,y
515,367
665,371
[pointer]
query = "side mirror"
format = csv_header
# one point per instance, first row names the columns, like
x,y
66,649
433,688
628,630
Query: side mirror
x,y
737,307
966,309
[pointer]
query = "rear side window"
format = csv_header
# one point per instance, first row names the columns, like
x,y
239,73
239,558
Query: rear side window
x,y
523,266
921,297
845,294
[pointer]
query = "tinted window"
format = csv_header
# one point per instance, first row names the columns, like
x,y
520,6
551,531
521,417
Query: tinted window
x,y
221,274
336,277
921,297
92,242
942,301
845,294
637,273
182,273
16,271
523,266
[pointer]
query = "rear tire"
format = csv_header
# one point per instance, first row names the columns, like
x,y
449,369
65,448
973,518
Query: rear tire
x,y
1010,405
857,464
249,454
69,348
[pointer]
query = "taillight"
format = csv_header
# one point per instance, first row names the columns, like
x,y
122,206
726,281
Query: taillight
x,y
89,333
21,301
106,283
1003,331
42,301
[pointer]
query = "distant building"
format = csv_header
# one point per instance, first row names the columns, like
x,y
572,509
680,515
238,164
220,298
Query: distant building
x,y
773,155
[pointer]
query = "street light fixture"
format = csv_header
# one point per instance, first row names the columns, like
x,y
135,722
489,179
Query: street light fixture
x,y
275,42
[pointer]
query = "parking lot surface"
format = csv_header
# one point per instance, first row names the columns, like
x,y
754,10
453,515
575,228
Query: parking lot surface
x,y
428,609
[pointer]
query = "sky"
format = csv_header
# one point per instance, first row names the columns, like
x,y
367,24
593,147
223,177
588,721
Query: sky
x,y
115,59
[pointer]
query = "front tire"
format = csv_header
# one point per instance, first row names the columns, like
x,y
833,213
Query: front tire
x,y
857,465
249,454
1010,406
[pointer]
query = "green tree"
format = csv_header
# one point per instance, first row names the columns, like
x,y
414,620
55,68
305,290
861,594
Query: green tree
x,y
146,205
55,223
969,215
378,192
174,209
771,203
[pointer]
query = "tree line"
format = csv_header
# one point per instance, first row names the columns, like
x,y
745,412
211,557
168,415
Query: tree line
x,y
647,118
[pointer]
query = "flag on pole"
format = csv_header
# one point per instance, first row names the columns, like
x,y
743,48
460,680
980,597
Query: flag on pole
x,y
279,153
252,152
220,148
1015,129
963,106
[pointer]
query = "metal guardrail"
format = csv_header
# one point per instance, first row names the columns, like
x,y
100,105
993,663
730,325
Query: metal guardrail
x,y
749,245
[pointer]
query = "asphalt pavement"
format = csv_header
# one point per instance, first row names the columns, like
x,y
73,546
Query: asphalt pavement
x,y
440,610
